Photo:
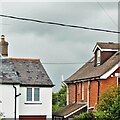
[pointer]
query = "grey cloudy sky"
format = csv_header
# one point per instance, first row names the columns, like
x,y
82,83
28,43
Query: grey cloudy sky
x,y
58,44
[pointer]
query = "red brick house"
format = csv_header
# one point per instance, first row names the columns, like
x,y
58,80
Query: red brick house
x,y
86,85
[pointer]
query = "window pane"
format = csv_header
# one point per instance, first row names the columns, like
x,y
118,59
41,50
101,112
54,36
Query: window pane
x,y
29,94
98,57
36,94
82,90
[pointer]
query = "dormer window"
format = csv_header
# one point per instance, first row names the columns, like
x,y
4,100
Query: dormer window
x,y
98,57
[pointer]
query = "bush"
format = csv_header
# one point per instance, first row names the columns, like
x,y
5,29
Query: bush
x,y
85,116
109,102
102,116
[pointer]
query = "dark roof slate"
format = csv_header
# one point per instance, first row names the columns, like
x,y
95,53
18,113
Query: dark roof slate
x,y
24,72
89,71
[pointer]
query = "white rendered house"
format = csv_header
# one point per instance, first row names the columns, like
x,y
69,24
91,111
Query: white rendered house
x,y
25,88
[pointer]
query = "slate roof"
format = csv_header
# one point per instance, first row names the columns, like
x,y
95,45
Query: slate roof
x,y
24,72
68,109
89,71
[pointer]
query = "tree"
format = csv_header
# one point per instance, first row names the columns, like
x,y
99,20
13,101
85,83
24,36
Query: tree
x,y
59,99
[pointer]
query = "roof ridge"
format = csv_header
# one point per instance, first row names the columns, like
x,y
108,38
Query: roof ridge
x,y
32,59
108,42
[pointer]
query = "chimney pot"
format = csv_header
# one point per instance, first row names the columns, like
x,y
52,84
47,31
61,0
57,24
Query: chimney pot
x,y
2,38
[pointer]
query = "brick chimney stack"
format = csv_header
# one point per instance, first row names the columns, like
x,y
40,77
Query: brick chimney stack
x,y
3,47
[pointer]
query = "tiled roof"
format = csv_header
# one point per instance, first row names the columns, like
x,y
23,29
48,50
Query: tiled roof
x,y
88,70
68,109
24,71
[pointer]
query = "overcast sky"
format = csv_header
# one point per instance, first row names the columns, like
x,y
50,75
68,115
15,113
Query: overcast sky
x,y
54,44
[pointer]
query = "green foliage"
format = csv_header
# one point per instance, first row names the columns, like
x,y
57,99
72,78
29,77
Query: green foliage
x,y
93,116
59,99
109,102
101,116
85,116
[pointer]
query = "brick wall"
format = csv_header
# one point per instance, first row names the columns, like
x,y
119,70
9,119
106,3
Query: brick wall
x,y
110,81
79,92
93,93
85,90
71,89
75,90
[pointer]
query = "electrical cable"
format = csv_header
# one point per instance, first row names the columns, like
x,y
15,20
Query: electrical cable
x,y
60,24
107,13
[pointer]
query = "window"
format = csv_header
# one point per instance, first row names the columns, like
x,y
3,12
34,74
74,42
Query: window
x,y
98,57
29,94
118,80
33,94
82,90
36,94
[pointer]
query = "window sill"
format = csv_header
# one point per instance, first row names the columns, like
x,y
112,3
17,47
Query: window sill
x,y
33,103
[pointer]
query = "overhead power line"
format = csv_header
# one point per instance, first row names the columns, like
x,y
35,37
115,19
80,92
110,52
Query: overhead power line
x,y
107,13
60,24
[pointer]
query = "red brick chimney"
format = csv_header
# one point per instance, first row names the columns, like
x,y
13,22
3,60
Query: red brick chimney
x,y
3,47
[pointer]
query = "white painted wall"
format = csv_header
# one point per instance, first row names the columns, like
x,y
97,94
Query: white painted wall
x,y
1,99
7,105
44,107
7,98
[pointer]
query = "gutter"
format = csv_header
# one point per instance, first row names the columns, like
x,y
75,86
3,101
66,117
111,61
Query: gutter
x,y
88,96
98,90
82,80
67,92
16,101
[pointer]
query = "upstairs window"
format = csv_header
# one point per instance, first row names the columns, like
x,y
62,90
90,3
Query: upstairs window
x,y
98,57
33,95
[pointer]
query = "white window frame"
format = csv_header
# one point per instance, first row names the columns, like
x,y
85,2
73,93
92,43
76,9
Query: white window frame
x,y
98,57
82,90
32,95
118,77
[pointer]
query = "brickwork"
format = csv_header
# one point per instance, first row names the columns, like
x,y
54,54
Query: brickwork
x,y
93,93
85,90
71,89
79,92
75,90
110,81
